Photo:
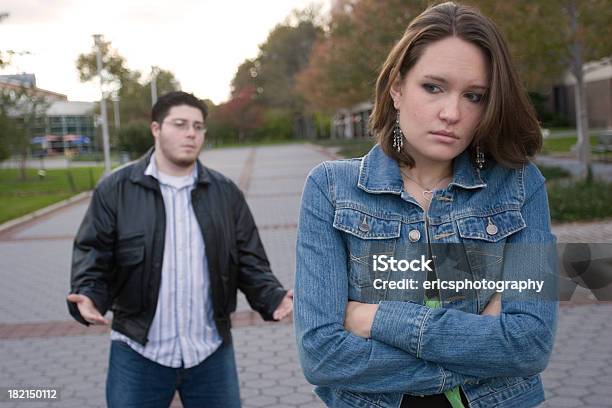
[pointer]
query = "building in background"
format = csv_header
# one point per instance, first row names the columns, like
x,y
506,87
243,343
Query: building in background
x,y
14,83
598,80
65,126
351,123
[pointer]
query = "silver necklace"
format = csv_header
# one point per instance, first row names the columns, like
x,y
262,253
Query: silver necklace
x,y
426,191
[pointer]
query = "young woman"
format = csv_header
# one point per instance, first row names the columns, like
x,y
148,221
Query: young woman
x,y
450,191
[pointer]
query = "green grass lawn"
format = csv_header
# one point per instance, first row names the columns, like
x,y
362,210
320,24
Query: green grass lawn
x,y
19,197
563,144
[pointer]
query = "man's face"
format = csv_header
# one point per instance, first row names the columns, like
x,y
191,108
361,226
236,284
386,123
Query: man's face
x,y
179,137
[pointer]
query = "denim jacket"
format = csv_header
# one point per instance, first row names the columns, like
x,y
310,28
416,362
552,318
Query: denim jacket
x,y
492,224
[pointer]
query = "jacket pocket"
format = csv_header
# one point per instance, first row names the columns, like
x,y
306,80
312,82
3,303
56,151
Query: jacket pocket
x,y
503,383
484,236
366,235
484,240
129,261
491,228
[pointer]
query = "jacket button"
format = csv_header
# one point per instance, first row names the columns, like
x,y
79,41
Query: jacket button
x,y
364,227
491,228
414,235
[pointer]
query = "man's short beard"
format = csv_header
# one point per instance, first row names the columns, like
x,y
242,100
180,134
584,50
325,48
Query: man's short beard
x,y
182,162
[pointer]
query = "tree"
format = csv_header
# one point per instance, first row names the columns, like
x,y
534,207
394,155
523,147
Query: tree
x,y
135,138
4,55
6,123
114,64
344,64
269,79
9,126
133,92
550,37
20,110
240,113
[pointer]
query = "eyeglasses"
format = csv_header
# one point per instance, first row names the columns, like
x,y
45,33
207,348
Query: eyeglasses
x,y
182,125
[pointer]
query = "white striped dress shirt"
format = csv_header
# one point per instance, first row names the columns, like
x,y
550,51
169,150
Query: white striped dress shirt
x,y
183,332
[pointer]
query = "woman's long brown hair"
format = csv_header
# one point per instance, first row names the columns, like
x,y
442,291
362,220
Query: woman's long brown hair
x,y
509,131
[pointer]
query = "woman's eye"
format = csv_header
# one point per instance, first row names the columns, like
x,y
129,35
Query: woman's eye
x,y
431,88
473,97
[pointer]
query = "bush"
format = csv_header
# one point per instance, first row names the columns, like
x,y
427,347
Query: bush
x,y
579,201
277,125
323,124
545,116
553,172
135,138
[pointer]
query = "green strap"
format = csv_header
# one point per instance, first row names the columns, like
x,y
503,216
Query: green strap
x,y
453,396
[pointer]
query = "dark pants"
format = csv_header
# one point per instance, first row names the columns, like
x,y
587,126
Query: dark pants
x,y
134,381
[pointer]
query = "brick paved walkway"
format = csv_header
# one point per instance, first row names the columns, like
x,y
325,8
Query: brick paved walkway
x,y
41,346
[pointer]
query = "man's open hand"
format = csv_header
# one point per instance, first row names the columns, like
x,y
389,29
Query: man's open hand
x,y
88,309
286,306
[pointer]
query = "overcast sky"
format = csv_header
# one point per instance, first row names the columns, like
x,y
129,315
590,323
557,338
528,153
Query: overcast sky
x,y
201,42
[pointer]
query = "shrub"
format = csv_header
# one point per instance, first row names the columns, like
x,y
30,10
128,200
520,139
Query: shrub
x,y
579,200
135,138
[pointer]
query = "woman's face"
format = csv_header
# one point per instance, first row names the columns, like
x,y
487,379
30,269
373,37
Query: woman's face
x,y
441,100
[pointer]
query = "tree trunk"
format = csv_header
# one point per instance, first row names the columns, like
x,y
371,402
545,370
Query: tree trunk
x,y
583,144
22,165
582,126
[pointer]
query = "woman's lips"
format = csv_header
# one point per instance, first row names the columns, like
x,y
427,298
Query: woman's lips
x,y
445,137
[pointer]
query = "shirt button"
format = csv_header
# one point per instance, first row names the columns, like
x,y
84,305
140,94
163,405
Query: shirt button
x,y
414,235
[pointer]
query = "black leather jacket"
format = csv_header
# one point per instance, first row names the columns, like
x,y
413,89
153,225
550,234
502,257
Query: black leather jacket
x,y
118,250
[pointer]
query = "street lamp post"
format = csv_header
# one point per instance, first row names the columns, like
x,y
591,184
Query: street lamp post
x,y
116,111
105,138
154,72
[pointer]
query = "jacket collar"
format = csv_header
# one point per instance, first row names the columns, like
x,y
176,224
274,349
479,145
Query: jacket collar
x,y
380,173
138,172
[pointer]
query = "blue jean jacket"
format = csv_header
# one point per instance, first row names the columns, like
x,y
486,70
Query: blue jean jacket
x,y
490,224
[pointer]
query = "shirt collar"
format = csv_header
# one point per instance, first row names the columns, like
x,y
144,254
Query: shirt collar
x,y
177,182
380,173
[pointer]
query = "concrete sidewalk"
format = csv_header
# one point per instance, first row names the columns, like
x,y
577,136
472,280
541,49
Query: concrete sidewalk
x,y
41,346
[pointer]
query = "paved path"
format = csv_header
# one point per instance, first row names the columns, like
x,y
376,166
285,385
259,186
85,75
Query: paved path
x,y
41,346
601,170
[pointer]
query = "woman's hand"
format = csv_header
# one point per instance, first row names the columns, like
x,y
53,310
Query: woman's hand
x,y
359,318
493,308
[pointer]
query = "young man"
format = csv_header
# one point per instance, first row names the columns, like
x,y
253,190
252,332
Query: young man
x,y
164,244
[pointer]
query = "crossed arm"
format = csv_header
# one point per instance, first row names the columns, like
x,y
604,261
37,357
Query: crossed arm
x,y
511,338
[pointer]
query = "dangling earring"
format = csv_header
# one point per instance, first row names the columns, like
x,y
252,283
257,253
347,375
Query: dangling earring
x,y
480,158
398,135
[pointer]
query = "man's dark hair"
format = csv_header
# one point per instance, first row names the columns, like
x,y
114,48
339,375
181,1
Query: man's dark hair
x,y
175,98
